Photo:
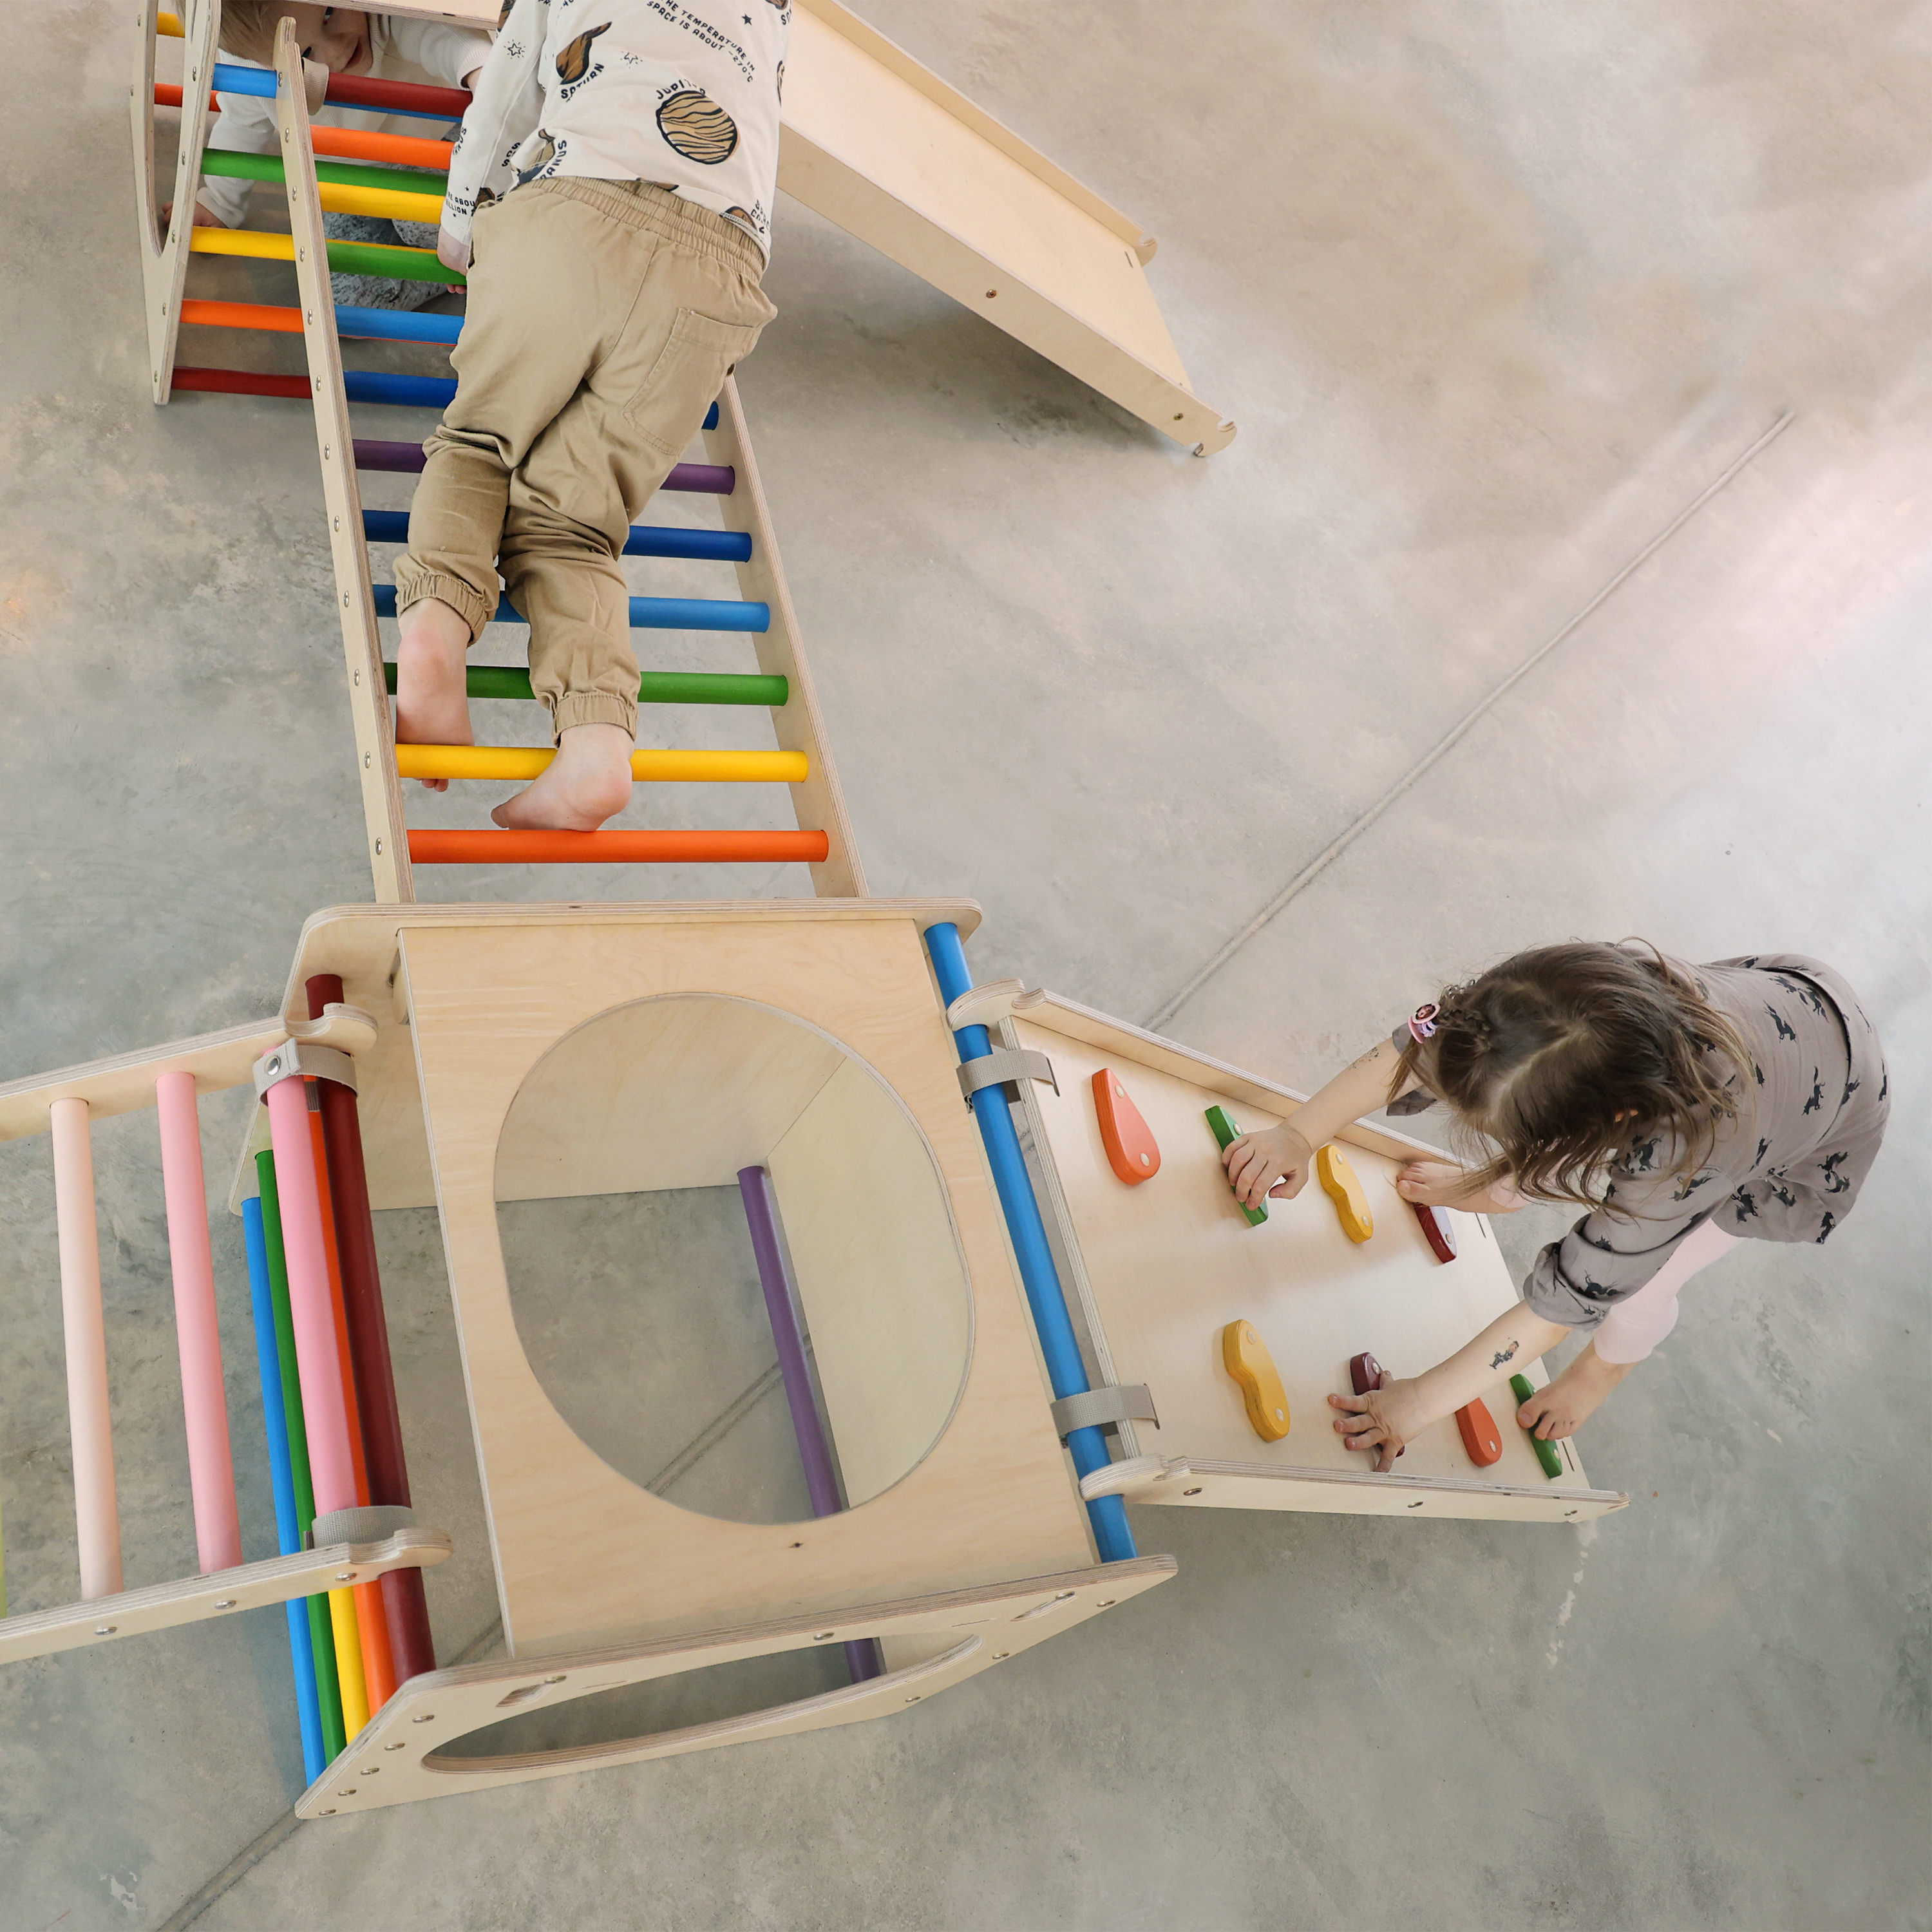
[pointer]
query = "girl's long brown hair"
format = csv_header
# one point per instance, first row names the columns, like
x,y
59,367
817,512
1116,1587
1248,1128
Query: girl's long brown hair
x,y
1540,1055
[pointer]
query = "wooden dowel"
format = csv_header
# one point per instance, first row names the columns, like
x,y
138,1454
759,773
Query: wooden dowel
x,y
97,1517
412,1649
379,1682
210,1466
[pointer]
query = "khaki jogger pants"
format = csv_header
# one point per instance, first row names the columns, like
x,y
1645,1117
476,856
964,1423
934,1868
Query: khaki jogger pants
x,y
603,318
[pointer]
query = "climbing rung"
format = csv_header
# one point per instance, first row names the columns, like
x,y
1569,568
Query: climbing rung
x,y
361,385
373,325
646,539
647,613
344,257
430,392
714,479
97,1515
650,766
620,848
654,687
345,90
236,165
211,1467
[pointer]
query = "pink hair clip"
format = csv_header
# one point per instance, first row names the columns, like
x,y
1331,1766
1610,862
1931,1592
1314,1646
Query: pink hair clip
x,y
1423,1026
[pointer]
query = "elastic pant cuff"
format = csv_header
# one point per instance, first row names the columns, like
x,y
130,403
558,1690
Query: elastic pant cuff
x,y
594,707
414,585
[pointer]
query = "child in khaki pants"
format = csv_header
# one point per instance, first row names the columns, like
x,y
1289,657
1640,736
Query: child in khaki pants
x,y
609,198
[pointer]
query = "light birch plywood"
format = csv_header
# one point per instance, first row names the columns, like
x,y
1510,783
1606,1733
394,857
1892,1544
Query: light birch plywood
x,y
880,1276
164,257
386,840
676,1093
1162,1268
584,1556
405,1752
798,725
125,1082
363,944
277,1580
876,142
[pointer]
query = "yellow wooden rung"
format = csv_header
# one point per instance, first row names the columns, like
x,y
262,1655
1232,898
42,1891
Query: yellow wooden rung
x,y
254,241
520,761
339,199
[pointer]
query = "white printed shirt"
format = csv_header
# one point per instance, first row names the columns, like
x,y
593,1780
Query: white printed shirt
x,y
682,93
432,53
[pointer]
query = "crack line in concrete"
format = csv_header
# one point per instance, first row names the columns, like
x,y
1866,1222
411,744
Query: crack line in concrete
x,y
1454,736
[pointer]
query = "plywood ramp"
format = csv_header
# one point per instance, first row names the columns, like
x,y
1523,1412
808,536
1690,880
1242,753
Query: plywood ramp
x,y
1160,1269
879,144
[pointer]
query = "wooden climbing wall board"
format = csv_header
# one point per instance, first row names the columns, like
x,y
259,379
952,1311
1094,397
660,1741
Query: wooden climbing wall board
x,y
879,144
1161,1269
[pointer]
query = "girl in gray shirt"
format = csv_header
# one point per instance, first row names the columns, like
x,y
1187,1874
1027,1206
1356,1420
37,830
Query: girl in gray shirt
x,y
1686,1107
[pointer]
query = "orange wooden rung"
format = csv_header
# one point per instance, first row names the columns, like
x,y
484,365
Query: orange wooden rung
x,y
619,848
241,315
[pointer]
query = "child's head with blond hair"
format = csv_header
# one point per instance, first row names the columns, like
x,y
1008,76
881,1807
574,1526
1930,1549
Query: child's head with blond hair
x,y
337,37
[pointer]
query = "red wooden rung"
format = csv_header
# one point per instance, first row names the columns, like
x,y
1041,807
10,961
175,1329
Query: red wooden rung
x,y
618,848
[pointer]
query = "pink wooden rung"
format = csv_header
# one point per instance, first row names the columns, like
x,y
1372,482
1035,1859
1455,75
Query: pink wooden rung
x,y
210,1466
311,1304
97,1517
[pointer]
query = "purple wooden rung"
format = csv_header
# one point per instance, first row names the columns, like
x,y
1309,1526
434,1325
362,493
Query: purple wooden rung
x,y
782,1304
704,479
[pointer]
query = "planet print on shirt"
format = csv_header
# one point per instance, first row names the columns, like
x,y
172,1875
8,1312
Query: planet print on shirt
x,y
695,124
573,64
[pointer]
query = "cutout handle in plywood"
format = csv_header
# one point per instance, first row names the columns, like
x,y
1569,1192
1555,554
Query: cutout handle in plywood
x,y
1245,1356
1340,1183
1132,1150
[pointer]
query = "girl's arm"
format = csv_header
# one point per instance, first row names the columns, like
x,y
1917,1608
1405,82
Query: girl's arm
x,y
1276,1160
1388,1418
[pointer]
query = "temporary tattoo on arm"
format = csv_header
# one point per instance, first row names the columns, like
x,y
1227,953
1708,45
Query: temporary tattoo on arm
x,y
1497,1361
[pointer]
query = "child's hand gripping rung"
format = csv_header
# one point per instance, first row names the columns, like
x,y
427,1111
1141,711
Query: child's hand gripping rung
x,y
1226,1134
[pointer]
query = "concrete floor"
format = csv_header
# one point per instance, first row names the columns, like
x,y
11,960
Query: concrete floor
x,y
1493,293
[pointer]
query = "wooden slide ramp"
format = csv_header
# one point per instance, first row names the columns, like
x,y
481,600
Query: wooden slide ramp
x,y
880,144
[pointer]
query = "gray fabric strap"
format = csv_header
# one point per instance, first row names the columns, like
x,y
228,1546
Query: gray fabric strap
x,y
296,1059
1002,1067
1104,1408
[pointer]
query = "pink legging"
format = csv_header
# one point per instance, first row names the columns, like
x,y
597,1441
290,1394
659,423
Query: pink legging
x,y
1635,1327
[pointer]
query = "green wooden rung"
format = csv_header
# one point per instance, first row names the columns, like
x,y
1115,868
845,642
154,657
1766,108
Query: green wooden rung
x,y
654,687
344,174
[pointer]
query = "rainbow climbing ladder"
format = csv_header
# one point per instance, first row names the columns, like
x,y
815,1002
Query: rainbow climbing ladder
x,y
763,610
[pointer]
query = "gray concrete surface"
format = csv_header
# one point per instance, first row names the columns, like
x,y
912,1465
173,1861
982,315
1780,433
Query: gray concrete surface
x,y
1493,293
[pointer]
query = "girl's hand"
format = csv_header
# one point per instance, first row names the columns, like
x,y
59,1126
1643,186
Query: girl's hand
x,y
202,218
1381,1422
1275,1160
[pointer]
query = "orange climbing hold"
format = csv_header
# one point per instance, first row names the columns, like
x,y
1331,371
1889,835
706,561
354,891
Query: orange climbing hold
x,y
1479,1434
1131,1151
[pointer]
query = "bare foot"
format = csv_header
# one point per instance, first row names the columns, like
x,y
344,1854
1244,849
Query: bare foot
x,y
1573,1398
432,698
1441,1184
588,780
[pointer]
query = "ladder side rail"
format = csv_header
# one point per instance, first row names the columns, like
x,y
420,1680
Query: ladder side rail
x,y
799,723
361,645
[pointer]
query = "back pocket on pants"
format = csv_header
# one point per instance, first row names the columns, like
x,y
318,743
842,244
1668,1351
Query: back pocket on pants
x,y
684,381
